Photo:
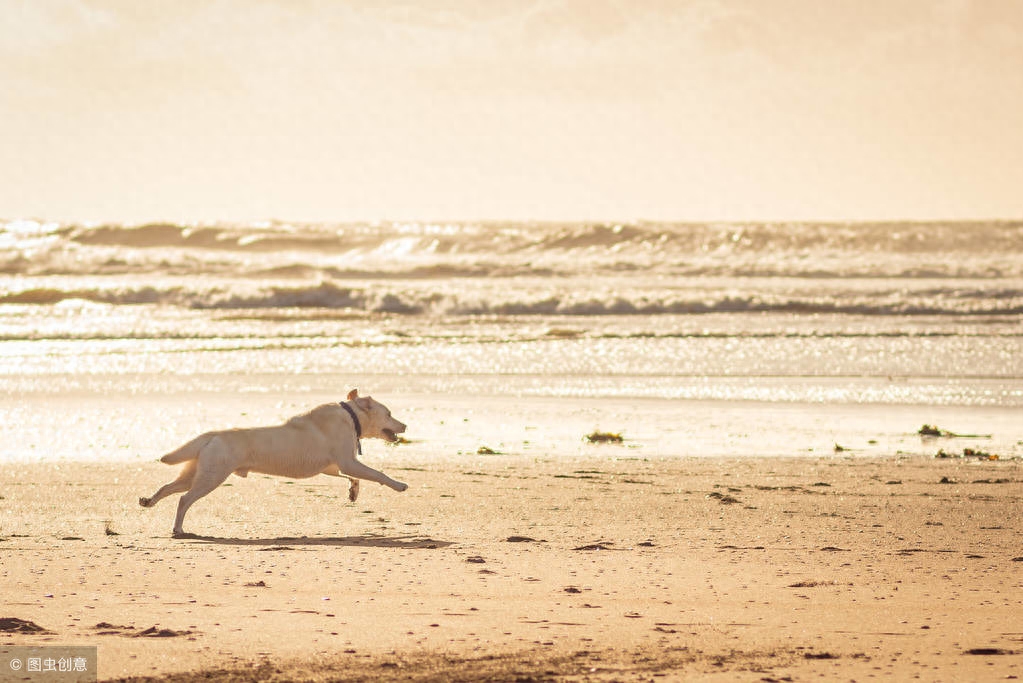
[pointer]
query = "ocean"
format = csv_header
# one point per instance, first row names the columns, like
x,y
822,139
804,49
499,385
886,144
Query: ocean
x,y
689,338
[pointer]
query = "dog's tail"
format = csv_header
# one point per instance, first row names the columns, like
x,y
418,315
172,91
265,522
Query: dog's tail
x,y
190,451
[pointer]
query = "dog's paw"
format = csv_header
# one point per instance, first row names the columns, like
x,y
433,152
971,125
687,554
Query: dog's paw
x,y
353,490
146,502
401,487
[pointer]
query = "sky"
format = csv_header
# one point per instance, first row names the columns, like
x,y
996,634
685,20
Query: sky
x,y
331,110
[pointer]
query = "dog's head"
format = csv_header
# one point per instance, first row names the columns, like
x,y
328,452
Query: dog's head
x,y
377,421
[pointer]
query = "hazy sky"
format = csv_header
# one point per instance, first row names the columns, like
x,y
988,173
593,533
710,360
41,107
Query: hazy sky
x,y
550,109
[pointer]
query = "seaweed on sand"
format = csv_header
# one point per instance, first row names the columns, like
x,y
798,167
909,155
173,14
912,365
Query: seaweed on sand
x,y
933,431
605,437
968,453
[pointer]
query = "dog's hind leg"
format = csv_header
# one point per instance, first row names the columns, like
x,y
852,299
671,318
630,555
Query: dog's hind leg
x,y
334,471
211,472
179,485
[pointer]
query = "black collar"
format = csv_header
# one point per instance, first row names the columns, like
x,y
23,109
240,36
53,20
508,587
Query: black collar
x,y
358,426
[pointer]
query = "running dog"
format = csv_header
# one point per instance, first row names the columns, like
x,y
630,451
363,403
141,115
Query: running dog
x,y
323,441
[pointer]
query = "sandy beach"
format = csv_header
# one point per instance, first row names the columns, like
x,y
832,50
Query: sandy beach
x,y
610,567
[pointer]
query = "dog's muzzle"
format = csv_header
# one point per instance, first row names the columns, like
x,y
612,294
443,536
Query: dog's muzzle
x,y
391,434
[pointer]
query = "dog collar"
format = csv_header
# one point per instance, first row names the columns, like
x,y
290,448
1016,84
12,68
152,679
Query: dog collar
x,y
358,426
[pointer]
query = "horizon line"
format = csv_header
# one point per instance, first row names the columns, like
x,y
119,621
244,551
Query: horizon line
x,y
464,221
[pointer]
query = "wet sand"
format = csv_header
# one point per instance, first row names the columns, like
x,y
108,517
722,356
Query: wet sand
x,y
610,567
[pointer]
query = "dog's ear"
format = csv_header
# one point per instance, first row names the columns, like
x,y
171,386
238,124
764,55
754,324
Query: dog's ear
x,y
353,394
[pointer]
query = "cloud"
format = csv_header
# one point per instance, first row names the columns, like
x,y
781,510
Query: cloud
x,y
31,26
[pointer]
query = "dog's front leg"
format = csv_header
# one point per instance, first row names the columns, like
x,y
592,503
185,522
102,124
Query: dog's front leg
x,y
353,490
354,468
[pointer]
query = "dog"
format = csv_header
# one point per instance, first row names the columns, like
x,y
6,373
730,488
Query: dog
x,y
326,440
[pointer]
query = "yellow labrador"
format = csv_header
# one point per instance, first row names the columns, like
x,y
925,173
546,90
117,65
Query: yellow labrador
x,y
323,441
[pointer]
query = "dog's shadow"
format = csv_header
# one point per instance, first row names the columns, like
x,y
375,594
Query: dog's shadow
x,y
288,543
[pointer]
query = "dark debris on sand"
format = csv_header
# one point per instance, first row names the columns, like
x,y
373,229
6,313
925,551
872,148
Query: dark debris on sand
x,y
16,625
534,666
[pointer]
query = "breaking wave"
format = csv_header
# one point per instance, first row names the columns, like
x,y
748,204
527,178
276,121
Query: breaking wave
x,y
990,249
523,269
523,302
498,238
